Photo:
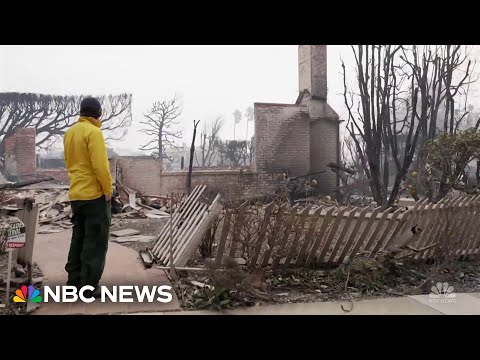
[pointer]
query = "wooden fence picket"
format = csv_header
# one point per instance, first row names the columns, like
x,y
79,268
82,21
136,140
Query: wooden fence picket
x,y
283,235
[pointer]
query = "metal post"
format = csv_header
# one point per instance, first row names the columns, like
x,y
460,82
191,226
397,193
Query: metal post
x,y
9,272
173,274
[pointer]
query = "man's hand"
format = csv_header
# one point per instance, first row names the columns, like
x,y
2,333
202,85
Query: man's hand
x,y
108,198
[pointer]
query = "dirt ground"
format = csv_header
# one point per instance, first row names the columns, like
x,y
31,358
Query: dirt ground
x,y
148,226
237,288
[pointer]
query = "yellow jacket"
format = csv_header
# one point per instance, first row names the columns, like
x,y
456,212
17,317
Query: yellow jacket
x,y
86,160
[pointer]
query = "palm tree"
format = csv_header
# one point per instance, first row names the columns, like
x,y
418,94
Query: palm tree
x,y
237,117
249,116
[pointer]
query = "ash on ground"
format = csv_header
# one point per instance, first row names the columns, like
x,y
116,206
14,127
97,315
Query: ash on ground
x,y
18,278
219,290
148,226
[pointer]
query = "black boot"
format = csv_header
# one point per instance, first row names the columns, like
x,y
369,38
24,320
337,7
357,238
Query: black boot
x,y
97,292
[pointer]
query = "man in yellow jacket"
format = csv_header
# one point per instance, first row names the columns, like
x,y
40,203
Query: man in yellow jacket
x,y
90,193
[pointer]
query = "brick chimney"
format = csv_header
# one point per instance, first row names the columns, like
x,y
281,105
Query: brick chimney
x,y
20,152
312,70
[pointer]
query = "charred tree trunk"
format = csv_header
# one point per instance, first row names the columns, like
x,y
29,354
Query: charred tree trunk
x,y
374,124
192,153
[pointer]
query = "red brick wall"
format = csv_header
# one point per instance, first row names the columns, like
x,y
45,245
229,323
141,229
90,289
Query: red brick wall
x,y
282,139
10,145
20,148
26,151
62,174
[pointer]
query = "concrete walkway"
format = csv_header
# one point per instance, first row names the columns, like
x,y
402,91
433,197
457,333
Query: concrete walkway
x,y
464,304
123,267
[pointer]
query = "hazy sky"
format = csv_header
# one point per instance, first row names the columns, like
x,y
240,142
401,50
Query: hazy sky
x,y
210,80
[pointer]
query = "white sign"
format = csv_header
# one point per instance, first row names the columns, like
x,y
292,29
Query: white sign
x,y
13,233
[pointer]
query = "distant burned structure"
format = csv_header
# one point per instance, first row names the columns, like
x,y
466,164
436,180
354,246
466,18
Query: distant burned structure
x,y
301,138
296,139
19,155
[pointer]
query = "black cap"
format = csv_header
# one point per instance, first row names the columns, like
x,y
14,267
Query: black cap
x,y
90,107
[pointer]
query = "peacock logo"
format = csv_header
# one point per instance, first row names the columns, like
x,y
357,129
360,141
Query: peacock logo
x,y
442,293
21,295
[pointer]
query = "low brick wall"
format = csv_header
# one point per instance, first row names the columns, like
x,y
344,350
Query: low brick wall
x,y
234,183
62,174
144,175
57,174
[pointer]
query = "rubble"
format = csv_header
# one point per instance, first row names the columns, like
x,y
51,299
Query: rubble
x,y
19,276
129,203
55,212
130,235
125,232
236,287
134,238
147,258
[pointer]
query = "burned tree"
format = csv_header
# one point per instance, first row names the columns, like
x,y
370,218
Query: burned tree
x,y
401,93
159,123
237,153
209,143
192,151
52,115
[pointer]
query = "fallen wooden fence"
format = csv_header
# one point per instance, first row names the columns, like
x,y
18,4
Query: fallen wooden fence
x,y
189,223
289,236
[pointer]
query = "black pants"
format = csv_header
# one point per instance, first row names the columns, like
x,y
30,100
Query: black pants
x,y
88,249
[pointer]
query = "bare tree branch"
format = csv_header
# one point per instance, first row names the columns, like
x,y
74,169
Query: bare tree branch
x,y
159,121
401,92
209,142
52,115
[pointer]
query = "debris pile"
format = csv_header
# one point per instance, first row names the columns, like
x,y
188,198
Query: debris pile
x,y
54,206
221,289
20,276
236,286
127,203
130,235
55,212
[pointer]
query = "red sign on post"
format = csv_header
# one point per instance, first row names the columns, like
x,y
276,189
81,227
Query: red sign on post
x,y
12,233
